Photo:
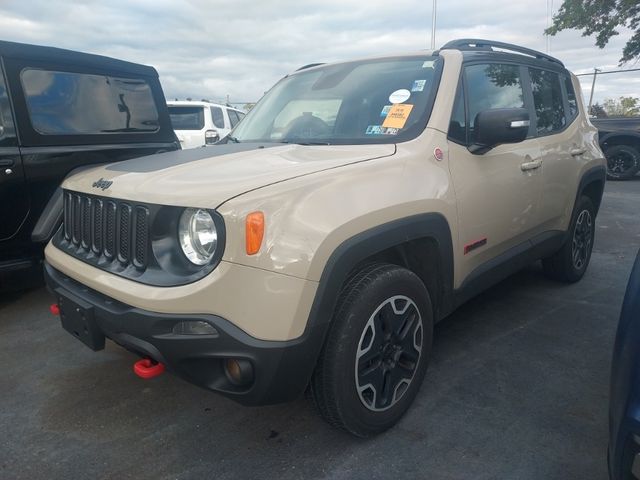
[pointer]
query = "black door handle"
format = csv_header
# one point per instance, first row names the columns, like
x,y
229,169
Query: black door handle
x,y
6,162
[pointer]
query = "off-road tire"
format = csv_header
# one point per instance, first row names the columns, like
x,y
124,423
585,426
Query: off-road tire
x,y
361,306
623,162
570,263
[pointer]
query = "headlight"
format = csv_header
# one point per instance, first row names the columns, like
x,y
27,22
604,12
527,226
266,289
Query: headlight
x,y
198,235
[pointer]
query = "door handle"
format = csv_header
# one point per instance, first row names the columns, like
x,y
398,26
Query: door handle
x,y
527,166
577,151
6,162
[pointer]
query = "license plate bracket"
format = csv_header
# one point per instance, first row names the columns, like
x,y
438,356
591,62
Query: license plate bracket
x,y
77,317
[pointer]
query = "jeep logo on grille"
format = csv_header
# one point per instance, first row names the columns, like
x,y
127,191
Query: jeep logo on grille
x,y
102,183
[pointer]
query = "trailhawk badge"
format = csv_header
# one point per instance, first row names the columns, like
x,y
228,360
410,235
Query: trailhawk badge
x,y
102,183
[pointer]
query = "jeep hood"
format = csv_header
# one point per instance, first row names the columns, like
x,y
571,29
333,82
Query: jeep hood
x,y
207,177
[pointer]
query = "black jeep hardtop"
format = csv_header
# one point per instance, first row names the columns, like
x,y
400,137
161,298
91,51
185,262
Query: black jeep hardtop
x,y
61,111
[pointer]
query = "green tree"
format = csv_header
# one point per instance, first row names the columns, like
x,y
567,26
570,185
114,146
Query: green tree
x,y
622,106
598,111
602,18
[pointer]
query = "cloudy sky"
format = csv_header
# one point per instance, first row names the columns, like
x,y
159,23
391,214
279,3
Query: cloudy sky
x,y
211,49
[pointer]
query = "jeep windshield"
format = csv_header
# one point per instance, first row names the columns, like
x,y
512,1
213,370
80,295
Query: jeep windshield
x,y
384,100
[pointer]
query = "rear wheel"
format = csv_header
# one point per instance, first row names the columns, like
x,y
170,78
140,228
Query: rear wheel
x,y
570,263
623,162
376,352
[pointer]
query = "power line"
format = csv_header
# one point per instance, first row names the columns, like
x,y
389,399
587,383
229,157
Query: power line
x,y
610,71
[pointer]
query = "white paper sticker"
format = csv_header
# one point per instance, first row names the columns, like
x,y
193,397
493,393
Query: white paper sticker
x,y
400,96
428,64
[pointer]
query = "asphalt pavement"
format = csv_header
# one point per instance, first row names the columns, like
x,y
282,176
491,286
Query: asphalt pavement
x,y
517,389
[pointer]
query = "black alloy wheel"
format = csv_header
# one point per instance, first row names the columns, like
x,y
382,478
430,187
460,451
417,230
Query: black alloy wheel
x,y
582,238
388,353
376,352
570,263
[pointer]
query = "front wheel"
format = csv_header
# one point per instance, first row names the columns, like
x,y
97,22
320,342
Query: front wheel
x,y
377,350
623,162
570,263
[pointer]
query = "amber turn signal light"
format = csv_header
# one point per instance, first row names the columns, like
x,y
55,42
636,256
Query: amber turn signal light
x,y
254,232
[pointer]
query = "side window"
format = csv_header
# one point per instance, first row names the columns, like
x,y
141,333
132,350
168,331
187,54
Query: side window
x,y
67,103
233,117
458,124
491,86
7,132
217,117
571,97
3,95
547,101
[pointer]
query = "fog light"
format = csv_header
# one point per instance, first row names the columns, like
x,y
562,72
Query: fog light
x,y
239,372
194,327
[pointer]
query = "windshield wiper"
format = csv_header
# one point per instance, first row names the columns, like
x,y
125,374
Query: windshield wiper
x,y
233,139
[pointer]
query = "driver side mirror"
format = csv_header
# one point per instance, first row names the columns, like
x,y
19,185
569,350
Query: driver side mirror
x,y
497,126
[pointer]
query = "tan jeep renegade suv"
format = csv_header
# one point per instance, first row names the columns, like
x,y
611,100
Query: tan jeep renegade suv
x,y
355,206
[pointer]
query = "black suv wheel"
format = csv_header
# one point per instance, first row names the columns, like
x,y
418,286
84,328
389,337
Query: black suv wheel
x,y
623,162
377,350
570,263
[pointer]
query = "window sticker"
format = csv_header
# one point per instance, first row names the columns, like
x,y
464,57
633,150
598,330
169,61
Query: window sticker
x,y
399,96
428,64
397,116
385,110
373,130
418,85
379,130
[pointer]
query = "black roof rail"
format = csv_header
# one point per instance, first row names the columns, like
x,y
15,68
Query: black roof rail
x,y
478,44
310,65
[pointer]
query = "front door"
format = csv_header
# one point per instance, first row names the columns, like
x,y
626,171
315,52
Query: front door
x,y
14,197
498,191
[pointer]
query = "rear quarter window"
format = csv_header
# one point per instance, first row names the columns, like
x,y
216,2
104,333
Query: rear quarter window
x,y
67,103
572,101
234,118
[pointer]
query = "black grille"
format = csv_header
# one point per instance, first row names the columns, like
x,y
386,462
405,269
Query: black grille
x,y
113,230
142,237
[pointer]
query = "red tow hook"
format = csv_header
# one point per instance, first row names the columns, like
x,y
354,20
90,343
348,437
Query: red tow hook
x,y
147,368
54,308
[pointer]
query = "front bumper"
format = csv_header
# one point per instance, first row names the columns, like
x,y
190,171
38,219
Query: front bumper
x,y
281,369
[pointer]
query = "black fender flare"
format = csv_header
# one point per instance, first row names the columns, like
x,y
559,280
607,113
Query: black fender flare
x,y
593,175
357,249
618,133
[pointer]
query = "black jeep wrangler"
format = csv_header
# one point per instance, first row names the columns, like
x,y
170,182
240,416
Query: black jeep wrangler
x,y
61,111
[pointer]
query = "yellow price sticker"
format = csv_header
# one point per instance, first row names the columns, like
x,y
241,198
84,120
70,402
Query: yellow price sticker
x,y
398,115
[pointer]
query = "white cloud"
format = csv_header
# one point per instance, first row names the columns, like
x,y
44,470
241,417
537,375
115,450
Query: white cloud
x,y
210,49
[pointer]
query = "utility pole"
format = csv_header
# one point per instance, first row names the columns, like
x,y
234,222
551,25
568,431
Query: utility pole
x,y
549,18
593,87
433,26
